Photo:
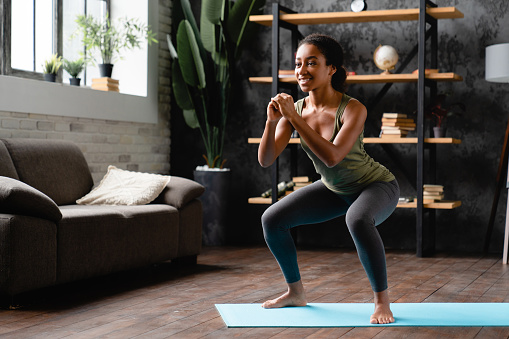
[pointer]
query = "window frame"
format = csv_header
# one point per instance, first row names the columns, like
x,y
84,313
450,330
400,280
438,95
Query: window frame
x,y
5,37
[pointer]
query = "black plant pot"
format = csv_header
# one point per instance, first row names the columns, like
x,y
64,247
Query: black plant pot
x,y
105,70
50,77
74,81
215,205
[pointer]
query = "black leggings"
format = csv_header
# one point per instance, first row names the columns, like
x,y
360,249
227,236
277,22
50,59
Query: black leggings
x,y
316,203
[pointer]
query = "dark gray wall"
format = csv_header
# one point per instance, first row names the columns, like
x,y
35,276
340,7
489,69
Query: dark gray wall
x,y
467,171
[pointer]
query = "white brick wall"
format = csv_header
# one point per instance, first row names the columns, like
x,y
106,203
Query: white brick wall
x,y
127,145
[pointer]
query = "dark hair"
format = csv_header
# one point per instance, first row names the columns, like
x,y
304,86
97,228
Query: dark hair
x,y
333,53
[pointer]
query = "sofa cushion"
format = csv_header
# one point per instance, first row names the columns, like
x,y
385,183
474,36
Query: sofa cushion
x,y
120,187
179,192
95,240
17,197
7,168
55,167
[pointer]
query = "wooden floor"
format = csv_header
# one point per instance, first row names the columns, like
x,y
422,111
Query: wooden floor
x,y
169,301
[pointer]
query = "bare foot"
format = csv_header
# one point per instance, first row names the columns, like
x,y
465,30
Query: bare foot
x,y
383,313
295,296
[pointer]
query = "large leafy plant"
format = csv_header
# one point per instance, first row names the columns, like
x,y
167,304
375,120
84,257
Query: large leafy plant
x,y
204,63
111,40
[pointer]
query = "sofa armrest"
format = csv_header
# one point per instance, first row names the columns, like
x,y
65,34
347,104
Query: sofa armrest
x,y
16,197
179,192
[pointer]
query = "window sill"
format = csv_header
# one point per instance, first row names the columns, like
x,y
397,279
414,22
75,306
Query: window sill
x,y
40,97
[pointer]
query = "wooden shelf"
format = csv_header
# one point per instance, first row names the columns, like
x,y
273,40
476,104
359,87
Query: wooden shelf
x,y
444,205
372,78
411,141
382,141
441,205
411,14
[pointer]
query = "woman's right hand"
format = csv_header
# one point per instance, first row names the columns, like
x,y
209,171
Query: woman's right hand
x,y
273,114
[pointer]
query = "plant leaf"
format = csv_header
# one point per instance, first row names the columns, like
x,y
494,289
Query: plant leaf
x,y
239,18
207,29
191,118
173,51
212,10
190,60
180,90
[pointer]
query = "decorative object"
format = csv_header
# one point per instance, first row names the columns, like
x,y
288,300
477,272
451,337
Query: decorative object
x,y
497,70
204,64
385,57
51,67
120,187
74,68
396,125
111,40
358,6
440,113
105,84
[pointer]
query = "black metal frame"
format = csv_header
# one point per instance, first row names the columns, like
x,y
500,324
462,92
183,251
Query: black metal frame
x,y
426,171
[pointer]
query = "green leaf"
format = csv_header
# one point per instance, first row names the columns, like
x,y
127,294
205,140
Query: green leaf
x,y
207,32
191,118
180,90
190,60
173,51
212,10
239,18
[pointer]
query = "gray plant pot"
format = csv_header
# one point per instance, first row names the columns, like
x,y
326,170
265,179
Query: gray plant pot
x,y
50,77
105,70
215,205
74,81
439,132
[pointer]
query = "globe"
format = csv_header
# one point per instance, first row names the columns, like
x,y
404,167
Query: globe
x,y
385,57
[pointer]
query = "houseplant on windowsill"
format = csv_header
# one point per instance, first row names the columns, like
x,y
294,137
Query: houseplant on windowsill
x,y
202,70
74,68
111,40
51,67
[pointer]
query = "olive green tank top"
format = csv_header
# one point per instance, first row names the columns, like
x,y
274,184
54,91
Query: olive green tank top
x,y
356,170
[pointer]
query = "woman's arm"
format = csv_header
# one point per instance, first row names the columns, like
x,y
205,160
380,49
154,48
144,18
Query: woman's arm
x,y
275,137
333,153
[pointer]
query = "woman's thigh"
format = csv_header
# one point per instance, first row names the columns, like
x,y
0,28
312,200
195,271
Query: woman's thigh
x,y
311,204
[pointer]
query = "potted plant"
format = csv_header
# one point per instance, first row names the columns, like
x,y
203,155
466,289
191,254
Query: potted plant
x,y
51,67
440,113
111,40
74,68
202,70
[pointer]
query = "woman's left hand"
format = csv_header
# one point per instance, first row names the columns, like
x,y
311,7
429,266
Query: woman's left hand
x,y
284,104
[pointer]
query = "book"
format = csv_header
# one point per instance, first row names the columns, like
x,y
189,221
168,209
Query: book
x,y
394,115
400,124
105,87
300,179
105,81
403,120
433,187
395,131
397,128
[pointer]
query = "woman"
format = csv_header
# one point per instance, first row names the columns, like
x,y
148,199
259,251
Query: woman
x,y
330,125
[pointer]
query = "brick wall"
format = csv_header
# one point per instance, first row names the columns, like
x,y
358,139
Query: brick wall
x,y
132,146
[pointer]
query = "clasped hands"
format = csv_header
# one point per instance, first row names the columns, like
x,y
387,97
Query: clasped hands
x,y
280,106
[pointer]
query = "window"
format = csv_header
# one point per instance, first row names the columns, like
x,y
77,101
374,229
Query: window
x,y
36,29
18,94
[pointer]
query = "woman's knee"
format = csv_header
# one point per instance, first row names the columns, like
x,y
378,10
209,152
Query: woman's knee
x,y
359,222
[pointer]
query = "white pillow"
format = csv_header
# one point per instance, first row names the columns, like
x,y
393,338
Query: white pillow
x,y
120,187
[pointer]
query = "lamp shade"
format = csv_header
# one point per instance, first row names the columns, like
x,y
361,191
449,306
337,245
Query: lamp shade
x,y
497,63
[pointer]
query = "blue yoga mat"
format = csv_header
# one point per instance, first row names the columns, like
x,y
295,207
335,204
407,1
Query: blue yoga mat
x,y
357,315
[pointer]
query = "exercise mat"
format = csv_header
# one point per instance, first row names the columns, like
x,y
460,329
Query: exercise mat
x,y
358,315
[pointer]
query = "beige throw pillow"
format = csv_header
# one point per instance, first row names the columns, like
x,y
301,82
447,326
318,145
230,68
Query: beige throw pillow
x,y
120,187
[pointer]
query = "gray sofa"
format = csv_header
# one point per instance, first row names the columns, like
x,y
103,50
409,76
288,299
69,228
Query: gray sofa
x,y
47,239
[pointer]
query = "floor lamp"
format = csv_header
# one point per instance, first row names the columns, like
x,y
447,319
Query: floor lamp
x,y
497,70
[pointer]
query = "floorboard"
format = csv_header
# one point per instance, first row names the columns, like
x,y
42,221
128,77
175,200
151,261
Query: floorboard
x,y
171,301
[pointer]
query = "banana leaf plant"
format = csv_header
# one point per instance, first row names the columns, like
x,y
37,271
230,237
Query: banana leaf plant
x,y
204,63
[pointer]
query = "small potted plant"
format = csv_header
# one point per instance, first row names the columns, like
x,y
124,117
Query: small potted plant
x,y
74,68
111,40
440,113
51,67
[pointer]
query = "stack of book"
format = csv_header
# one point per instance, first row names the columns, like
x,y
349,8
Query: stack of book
x,y
433,192
396,125
105,84
300,182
